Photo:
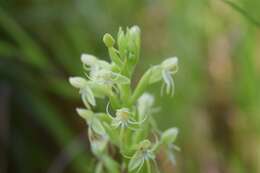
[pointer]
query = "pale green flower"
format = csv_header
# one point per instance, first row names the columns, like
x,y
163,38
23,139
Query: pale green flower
x,y
84,89
124,119
107,77
169,68
167,140
101,72
165,72
96,132
93,62
144,153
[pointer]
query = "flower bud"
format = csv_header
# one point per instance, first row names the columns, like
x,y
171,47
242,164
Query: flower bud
x,y
78,82
145,102
169,136
135,34
133,44
93,122
122,42
120,36
108,40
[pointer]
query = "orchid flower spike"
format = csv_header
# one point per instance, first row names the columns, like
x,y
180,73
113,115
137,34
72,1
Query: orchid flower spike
x,y
129,128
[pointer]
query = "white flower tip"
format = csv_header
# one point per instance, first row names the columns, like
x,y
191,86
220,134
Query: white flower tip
x,y
146,98
135,29
171,64
88,59
171,61
77,82
144,103
80,111
84,113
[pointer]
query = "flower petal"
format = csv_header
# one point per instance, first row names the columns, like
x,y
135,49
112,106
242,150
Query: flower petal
x,y
136,161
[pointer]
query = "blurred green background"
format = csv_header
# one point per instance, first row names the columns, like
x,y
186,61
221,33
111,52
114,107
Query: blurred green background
x,y
216,104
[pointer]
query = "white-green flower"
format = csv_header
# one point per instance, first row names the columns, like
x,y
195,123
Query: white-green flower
x,y
169,68
93,62
92,120
96,132
167,140
107,77
165,72
144,153
101,72
84,89
124,119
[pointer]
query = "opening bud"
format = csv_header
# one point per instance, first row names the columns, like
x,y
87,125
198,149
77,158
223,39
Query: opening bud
x,y
135,33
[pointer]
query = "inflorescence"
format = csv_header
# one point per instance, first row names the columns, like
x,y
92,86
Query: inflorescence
x,y
127,124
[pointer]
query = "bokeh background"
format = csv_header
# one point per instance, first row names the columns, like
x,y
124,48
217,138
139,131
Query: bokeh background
x,y
217,99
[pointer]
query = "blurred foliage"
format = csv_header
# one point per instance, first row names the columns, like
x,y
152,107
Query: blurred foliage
x,y
217,102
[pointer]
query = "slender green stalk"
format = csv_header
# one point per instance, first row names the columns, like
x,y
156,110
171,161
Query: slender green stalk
x,y
140,88
149,169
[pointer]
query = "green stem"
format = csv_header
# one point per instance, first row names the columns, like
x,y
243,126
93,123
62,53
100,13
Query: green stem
x,y
121,139
141,87
114,101
149,170
126,92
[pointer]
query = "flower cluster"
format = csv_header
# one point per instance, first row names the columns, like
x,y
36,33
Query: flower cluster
x,y
127,125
